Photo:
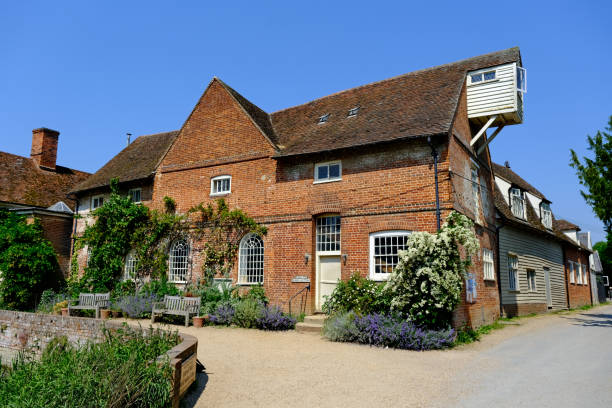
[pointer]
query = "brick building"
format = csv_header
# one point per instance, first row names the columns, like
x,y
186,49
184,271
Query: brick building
x,y
340,181
577,266
37,188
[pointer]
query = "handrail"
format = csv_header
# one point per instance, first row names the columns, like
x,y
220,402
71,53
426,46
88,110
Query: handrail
x,y
305,288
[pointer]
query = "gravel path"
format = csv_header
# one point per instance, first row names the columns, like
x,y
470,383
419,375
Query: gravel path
x,y
527,363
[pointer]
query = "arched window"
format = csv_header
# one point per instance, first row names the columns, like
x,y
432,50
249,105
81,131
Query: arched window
x,y
251,260
178,261
129,269
384,252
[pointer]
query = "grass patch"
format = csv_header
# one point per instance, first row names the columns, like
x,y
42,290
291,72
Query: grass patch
x,y
467,335
515,318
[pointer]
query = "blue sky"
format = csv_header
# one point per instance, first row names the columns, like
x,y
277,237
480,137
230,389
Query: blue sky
x,y
97,71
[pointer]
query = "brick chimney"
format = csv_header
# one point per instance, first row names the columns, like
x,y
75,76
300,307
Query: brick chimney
x,y
44,147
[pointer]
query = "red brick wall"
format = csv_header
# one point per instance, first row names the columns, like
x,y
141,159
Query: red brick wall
x,y
58,231
44,147
578,294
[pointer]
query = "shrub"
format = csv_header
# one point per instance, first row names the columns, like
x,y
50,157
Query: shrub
x,y
120,371
247,312
224,314
358,294
160,288
272,318
385,331
27,262
426,284
124,288
136,305
57,308
49,299
214,295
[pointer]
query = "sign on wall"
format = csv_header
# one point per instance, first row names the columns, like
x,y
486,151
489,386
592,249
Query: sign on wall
x,y
470,288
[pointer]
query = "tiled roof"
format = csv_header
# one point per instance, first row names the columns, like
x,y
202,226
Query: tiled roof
x,y
565,225
137,161
415,104
23,182
509,175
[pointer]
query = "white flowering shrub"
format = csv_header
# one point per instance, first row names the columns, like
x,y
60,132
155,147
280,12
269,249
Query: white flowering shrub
x,y
426,284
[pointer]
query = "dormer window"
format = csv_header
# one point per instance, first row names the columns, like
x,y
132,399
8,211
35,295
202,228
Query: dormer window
x,y
517,203
330,171
220,185
323,118
546,215
353,112
97,202
482,77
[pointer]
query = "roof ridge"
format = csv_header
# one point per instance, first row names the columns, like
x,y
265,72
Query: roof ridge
x,y
419,71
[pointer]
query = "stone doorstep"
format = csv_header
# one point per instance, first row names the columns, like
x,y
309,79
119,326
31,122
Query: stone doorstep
x,y
311,324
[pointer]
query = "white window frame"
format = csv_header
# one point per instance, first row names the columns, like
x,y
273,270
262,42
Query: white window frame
x,y
606,281
520,197
390,233
244,253
585,280
482,72
97,197
546,215
173,275
220,178
324,118
333,235
129,266
353,112
570,265
513,271
317,180
476,192
532,286
488,264
520,71
131,195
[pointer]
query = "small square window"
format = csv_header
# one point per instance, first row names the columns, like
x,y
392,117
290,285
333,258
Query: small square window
x,y
331,171
489,76
476,78
97,202
134,195
221,185
353,111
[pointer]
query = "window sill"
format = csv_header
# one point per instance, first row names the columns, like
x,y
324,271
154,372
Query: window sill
x,y
489,279
379,278
220,194
484,82
326,181
249,284
514,291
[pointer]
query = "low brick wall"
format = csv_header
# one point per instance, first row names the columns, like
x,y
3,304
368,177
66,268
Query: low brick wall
x,y
522,309
23,330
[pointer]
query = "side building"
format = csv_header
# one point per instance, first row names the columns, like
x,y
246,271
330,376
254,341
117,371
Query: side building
x,y
532,251
577,265
37,188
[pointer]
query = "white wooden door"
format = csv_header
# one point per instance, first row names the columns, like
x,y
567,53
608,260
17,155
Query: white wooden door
x,y
547,280
327,277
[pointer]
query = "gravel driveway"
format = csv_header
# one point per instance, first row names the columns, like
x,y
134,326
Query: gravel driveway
x,y
553,360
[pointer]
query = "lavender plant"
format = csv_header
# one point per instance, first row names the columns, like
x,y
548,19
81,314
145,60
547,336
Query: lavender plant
x,y
272,318
136,305
223,315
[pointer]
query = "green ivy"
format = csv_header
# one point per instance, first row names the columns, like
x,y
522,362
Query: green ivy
x,y
28,263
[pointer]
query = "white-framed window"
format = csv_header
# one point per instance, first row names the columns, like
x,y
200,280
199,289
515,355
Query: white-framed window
x,y
384,252
585,280
546,215
129,268
251,260
570,268
329,171
521,79
487,264
531,280
97,201
606,281
324,118
178,261
221,185
134,195
328,234
353,111
476,192
517,203
513,272
482,77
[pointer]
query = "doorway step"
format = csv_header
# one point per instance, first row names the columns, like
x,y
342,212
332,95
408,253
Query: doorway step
x,y
311,324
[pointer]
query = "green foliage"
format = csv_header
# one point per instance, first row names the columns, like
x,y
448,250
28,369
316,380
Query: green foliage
x,y
358,294
124,288
121,226
468,335
49,299
57,308
605,254
223,229
596,174
27,262
160,287
215,295
258,293
121,371
247,312
426,284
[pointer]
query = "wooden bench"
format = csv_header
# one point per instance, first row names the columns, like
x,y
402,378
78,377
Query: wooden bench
x,y
91,301
178,306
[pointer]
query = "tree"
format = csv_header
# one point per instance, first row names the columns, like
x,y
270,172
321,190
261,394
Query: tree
x,y
596,175
605,254
28,263
426,284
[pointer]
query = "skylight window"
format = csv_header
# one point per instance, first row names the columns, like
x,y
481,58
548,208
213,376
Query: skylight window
x,y
353,111
324,118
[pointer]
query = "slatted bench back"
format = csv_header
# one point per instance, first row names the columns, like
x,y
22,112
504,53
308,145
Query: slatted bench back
x,y
94,299
181,304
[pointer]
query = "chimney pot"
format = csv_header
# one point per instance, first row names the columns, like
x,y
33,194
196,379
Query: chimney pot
x,y
44,147
507,164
